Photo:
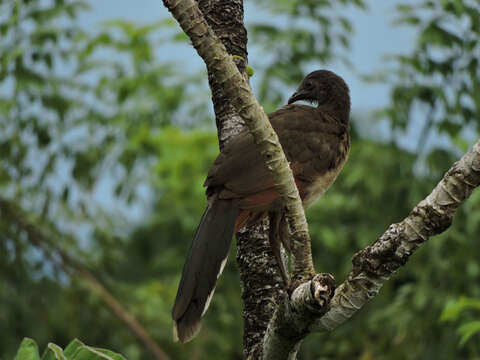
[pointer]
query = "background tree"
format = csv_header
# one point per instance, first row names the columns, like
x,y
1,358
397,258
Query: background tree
x,y
97,135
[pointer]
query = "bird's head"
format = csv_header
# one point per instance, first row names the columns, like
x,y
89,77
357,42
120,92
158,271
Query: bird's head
x,y
326,89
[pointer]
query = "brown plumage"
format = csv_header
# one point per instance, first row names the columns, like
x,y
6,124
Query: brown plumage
x,y
240,188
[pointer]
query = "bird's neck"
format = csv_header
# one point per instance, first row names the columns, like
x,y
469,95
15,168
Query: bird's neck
x,y
338,110
340,114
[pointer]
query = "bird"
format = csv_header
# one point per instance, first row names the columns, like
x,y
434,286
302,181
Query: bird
x,y
240,189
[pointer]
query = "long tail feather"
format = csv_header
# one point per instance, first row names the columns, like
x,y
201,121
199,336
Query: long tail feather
x,y
205,261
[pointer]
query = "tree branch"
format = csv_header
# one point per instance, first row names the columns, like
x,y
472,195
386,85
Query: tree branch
x,y
220,64
226,20
294,317
374,265
39,239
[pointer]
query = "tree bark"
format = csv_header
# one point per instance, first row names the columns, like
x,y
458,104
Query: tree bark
x,y
226,20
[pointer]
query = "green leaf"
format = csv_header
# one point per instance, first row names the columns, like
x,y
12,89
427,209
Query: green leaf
x,y
467,330
250,71
434,34
105,354
345,24
180,37
53,352
454,308
360,3
77,350
28,350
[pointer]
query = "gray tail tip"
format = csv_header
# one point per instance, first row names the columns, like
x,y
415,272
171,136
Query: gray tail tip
x,y
187,334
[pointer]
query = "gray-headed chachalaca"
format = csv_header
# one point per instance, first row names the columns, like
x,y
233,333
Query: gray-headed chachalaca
x,y
240,188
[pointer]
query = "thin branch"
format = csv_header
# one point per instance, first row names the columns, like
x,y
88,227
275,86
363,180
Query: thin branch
x,y
37,237
374,265
222,66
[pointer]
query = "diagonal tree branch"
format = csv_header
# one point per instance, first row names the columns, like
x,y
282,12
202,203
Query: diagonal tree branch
x,y
220,64
374,265
38,238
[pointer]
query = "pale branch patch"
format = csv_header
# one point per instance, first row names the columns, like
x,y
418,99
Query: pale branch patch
x,y
374,265
221,65
294,317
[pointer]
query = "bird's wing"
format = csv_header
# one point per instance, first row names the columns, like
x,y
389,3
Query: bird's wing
x,y
310,140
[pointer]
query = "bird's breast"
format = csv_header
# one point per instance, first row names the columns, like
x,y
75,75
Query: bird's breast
x,y
320,185
322,182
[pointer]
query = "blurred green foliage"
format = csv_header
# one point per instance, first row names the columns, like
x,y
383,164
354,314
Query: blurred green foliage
x,y
441,78
467,310
108,145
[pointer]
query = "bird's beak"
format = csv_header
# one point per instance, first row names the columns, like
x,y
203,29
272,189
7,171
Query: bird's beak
x,y
298,95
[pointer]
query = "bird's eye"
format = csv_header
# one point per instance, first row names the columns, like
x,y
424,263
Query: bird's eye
x,y
309,85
